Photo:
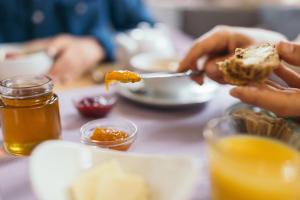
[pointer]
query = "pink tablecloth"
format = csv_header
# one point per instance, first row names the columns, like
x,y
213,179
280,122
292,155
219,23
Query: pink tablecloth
x,y
160,131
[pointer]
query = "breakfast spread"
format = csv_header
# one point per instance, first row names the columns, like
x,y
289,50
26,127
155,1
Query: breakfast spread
x,y
109,181
122,76
250,65
172,149
30,115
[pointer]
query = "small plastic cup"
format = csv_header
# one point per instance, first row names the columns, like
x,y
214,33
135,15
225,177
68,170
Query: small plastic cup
x,y
119,124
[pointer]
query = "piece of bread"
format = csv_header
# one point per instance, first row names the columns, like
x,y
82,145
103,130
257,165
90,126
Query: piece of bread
x,y
250,65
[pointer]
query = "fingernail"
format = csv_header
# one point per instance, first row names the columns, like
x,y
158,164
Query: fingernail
x,y
235,91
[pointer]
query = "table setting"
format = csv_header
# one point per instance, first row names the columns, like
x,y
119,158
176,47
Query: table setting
x,y
140,128
159,132
167,124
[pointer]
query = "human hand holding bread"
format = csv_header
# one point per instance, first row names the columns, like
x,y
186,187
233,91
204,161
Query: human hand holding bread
x,y
284,101
250,68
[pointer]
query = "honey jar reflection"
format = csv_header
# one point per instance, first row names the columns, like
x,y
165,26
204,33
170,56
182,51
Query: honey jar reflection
x,y
29,113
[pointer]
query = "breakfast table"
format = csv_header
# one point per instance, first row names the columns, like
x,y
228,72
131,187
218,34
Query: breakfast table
x,y
160,131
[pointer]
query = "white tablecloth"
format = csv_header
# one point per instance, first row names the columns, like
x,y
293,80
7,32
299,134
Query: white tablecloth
x,y
176,131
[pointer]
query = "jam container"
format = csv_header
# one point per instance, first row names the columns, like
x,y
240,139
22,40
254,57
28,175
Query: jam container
x,y
29,113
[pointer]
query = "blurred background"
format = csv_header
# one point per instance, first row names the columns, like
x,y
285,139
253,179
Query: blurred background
x,y
196,17
68,39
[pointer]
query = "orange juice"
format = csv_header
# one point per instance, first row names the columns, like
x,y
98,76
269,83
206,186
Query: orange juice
x,y
253,168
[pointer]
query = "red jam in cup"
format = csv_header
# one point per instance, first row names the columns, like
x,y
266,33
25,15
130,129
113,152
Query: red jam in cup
x,y
95,107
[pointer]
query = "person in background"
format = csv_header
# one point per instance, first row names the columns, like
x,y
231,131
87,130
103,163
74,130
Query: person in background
x,y
221,42
77,34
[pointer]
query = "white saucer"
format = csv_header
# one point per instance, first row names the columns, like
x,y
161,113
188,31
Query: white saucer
x,y
193,95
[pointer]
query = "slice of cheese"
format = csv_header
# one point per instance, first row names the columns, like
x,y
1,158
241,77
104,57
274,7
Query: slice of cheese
x,y
109,182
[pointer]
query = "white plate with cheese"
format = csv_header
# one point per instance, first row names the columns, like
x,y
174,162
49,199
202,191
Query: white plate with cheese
x,y
65,171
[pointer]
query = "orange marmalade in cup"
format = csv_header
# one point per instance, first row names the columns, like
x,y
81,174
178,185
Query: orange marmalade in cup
x,y
116,134
116,137
29,113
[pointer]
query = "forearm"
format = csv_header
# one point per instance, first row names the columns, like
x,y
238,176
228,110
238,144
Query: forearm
x,y
105,40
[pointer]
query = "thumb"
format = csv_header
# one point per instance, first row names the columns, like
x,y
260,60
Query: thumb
x,y
289,52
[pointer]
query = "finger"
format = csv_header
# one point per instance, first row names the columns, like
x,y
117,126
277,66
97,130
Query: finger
x,y
66,67
57,45
36,45
283,103
59,77
291,77
212,69
275,85
205,44
198,79
216,41
213,72
289,52
60,68
54,78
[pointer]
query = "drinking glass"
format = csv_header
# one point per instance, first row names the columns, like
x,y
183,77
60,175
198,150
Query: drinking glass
x,y
245,166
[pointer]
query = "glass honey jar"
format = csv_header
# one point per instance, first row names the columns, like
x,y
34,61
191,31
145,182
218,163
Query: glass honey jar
x,y
29,113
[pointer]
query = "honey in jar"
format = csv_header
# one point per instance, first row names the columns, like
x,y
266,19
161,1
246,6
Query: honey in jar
x,y
29,113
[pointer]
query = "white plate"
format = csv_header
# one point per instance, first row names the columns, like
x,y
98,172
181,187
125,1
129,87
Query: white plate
x,y
194,94
54,164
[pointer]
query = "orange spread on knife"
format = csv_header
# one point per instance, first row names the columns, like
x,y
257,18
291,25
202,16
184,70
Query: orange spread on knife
x,y
122,76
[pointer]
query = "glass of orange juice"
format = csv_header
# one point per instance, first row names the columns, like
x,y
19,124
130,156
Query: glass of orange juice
x,y
247,167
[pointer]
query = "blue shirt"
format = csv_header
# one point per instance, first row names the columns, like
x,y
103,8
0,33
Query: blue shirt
x,y
23,20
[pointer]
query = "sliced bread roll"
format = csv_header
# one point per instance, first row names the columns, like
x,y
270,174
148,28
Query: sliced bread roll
x,y
250,65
